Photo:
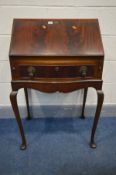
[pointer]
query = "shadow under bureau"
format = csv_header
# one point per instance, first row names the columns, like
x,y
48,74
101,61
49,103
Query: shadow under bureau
x,y
52,55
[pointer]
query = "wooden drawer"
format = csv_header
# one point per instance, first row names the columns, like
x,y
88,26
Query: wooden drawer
x,y
26,72
82,71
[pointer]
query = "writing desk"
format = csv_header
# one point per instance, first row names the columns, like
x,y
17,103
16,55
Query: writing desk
x,y
52,55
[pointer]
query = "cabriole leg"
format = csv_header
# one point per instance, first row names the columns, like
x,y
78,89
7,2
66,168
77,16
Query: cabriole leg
x,y
100,96
84,101
27,103
13,98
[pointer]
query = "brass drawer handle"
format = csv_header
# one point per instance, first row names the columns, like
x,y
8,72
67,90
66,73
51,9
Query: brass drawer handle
x,y
57,68
83,71
31,71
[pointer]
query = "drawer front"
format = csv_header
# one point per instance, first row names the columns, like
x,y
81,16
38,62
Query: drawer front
x,y
40,68
36,72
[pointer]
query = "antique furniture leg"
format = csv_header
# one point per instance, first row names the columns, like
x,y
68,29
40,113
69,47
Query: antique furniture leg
x,y
84,101
27,103
100,96
13,98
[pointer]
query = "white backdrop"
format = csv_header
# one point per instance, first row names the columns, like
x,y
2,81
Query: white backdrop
x,y
104,10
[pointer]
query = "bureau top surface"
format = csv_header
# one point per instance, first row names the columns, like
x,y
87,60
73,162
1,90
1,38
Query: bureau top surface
x,y
56,37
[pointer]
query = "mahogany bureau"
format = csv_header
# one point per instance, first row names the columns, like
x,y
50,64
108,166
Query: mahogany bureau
x,y
52,55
